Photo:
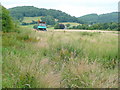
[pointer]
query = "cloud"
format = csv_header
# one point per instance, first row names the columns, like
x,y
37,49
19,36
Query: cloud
x,y
84,7
72,7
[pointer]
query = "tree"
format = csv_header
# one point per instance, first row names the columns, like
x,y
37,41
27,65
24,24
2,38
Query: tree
x,y
49,20
59,26
68,25
7,23
35,26
113,26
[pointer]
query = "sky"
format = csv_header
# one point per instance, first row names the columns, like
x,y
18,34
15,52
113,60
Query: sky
x,y
73,7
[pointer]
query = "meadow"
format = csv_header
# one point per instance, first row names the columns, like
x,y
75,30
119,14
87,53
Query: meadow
x,y
33,59
29,19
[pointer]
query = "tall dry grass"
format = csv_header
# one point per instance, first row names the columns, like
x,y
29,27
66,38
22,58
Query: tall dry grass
x,y
59,59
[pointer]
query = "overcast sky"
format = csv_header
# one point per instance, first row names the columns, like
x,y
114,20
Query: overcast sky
x,y
73,7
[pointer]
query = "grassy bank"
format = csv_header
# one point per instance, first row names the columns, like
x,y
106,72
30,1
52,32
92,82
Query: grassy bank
x,y
59,59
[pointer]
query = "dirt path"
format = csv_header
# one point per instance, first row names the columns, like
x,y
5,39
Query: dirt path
x,y
85,31
67,30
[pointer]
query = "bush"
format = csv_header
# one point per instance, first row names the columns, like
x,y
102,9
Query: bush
x,y
59,26
7,22
35,26
68,25
24,23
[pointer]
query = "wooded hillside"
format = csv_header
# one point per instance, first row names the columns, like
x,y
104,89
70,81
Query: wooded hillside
x,y
25,11
103,18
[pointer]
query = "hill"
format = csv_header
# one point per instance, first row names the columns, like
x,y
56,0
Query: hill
x,y
103,18
31,11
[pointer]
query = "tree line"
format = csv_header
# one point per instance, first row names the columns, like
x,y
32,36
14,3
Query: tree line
x,y
102,18
98,26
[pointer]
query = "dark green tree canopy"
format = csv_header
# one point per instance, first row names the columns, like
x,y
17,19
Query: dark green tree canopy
x,y
49,20
59,26
103,18
7,23
98,26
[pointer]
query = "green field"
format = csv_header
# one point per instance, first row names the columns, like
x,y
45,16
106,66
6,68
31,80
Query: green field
x,y
29,19
29,26
33,59
71,23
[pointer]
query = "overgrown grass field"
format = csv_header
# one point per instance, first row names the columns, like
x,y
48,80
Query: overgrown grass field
x,y
33,59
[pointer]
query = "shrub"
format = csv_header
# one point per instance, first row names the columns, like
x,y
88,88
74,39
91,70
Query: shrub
x,y
35,26
59,26
68,25
7,22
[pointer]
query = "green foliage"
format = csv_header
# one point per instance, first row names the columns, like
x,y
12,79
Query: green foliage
x,y
25,11
90,18
35,26
49,20
99,26
26,81
68,25
59,26
56,26
33,22
7,23
103,18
